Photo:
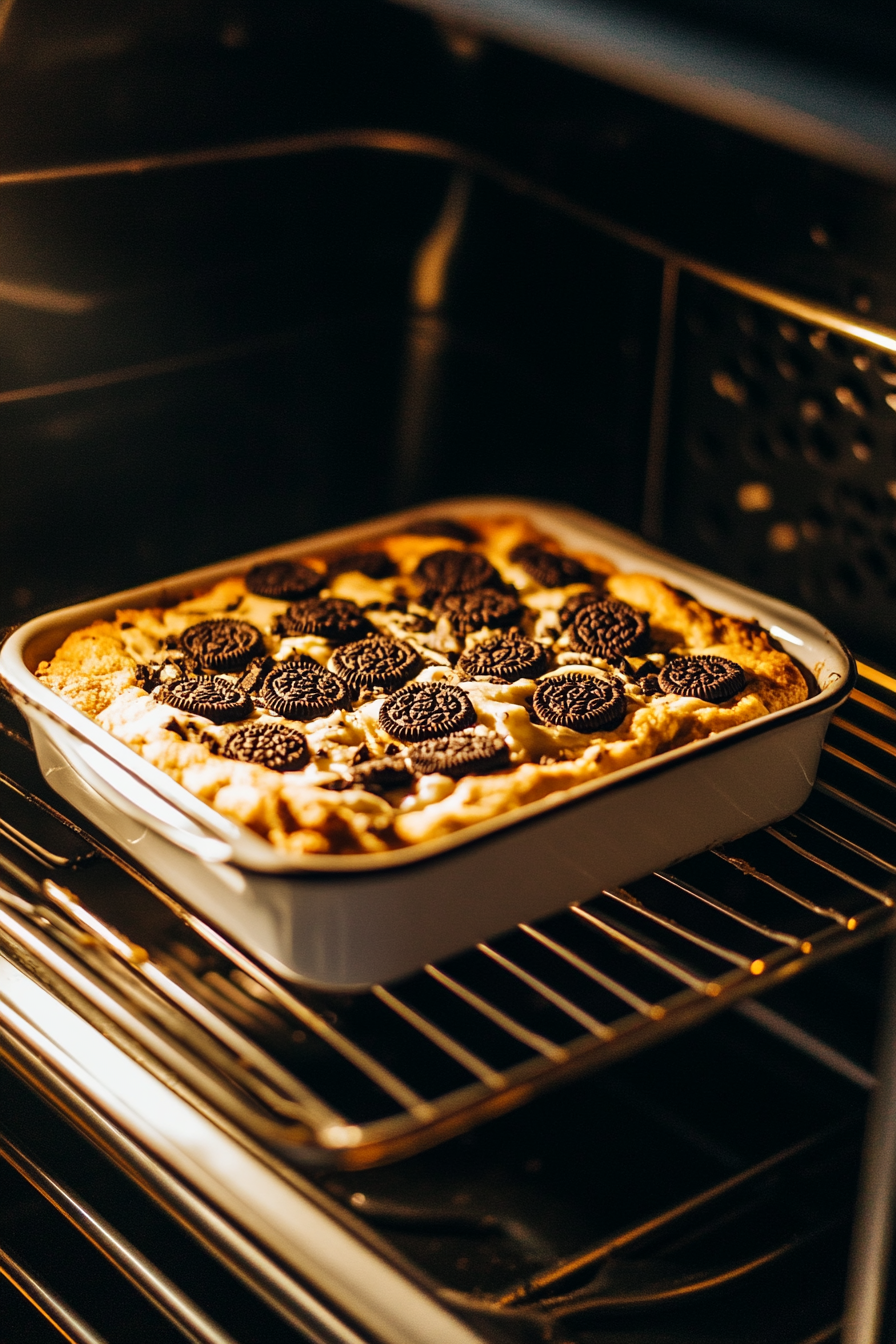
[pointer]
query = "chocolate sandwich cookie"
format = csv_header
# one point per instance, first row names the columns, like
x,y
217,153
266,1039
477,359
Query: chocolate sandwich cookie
x,y
283,579
463,753
581,701
705,677
332,618
222,645
210,698
483,607
608,629
548,568
427,709
457,572
302,689
382,775
505,659
443,527
573,604
269,744
375,662
375,564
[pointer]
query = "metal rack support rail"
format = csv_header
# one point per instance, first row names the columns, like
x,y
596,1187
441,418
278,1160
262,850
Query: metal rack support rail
x,y
60,1315
273,1228
193,1323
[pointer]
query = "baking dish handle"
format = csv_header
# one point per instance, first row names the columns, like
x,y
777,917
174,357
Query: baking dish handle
x,y
120,789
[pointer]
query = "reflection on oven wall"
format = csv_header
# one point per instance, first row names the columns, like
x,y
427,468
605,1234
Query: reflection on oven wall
x,y
309,325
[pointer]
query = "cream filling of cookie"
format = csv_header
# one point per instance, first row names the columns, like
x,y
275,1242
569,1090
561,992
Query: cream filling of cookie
x,y
294,645
96,670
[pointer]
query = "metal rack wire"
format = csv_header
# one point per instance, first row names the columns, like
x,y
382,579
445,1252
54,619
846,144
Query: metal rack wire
x,y
354,1080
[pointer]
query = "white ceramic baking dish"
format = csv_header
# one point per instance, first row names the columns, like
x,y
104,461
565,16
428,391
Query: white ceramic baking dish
x,y
350,921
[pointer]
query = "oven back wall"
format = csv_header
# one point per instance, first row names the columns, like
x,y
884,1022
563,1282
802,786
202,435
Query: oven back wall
x,y
199,359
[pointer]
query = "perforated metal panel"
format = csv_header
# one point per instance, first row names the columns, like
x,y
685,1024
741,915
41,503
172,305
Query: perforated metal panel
x,y
782,459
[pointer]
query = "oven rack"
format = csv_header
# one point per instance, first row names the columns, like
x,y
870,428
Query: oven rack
x,y
353,1080
669,1256
568,1289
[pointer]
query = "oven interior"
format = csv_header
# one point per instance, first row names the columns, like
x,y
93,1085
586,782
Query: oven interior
x,y
268,269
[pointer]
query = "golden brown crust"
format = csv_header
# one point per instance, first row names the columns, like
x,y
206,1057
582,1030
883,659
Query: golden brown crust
x,y
91,668
686,626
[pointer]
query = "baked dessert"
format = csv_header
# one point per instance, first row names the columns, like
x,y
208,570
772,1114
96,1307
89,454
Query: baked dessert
x,y
429,680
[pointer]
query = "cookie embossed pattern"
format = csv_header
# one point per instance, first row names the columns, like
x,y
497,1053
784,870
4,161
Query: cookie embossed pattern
x,y
389,704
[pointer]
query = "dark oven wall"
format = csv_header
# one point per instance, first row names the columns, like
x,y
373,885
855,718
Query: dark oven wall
x,y
255,310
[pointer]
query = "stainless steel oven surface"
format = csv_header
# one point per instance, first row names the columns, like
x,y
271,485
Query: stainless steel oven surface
x,y
272,269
